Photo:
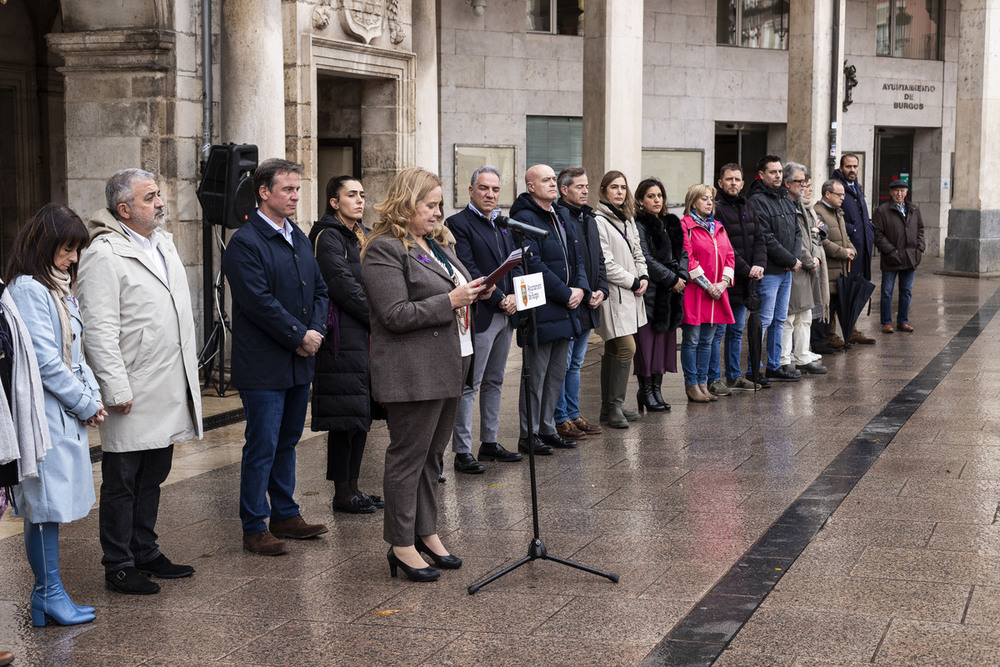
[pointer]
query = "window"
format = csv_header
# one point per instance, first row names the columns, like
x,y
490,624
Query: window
x,y
554,140
568,15
678,169
907,29
758,24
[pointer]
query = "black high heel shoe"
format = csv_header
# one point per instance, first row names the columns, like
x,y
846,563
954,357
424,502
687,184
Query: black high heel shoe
x,y
448,562
412,573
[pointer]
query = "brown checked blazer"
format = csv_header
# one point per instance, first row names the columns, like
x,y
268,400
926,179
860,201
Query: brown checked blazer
x,y
415,350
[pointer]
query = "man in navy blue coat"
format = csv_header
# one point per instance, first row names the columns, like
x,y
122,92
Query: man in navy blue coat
x,y
482,246
279,320
859,225
557,257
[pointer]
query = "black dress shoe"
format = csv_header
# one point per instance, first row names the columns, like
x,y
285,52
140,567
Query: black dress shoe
x,y
540,447
374,500
468,464
781,375
449,562
412,573
162,567
355,505
556,440
491,451
813,367
130,581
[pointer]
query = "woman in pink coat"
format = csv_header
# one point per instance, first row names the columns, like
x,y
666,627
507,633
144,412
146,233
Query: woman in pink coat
x,y
706,303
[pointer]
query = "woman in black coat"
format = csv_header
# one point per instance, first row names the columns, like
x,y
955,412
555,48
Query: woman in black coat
x,y
662,241
341,398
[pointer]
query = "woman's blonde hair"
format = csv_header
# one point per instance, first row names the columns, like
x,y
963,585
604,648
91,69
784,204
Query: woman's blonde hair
x,y
694,193
407,188
628,206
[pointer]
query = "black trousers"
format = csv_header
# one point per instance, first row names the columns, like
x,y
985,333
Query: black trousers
x,y
130,501
344,450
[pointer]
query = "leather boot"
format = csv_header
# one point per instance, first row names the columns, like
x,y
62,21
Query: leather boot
x,y
644,397
618,373
605,377
656,381
704,390
694,394
49,600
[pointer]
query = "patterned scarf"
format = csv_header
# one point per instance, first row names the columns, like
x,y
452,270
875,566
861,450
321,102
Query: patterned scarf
x,y
60,294
708,224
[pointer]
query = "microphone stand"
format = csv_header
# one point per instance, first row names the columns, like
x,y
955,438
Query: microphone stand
x,y
536,549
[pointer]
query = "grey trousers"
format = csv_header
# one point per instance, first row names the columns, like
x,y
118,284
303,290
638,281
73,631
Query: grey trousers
x,y
492,347
548,371
418,435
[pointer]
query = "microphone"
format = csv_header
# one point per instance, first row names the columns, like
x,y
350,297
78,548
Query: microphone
x,y
515,226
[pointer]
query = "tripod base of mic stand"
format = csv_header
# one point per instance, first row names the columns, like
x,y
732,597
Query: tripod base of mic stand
x,y
537,551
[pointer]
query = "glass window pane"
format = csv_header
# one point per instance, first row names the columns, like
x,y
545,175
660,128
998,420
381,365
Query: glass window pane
x,y
764,24
554,140
677,169
539,15
882,13
726,24
915,29
569,17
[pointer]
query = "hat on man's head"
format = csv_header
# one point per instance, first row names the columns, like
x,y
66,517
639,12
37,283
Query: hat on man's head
x,y
899,183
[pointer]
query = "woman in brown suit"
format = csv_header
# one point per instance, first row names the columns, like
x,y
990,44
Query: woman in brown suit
x,y
421,350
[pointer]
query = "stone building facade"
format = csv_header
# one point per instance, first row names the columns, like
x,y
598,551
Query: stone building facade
x,y
369,86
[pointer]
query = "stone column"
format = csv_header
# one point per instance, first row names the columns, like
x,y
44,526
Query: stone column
x,y
612,90
425,47
810,87
253,82
973,242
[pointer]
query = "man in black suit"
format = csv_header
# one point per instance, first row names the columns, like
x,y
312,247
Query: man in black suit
x,y
482,246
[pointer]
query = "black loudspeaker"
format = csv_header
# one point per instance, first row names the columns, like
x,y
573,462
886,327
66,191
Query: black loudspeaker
x,y
226,190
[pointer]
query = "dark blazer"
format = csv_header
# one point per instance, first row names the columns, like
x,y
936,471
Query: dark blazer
x,y
481,249
341,392
593,262
416,354
900,239
278,295
561,268
859,226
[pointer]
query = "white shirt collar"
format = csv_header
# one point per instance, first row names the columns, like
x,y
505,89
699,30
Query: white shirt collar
x,y
285,228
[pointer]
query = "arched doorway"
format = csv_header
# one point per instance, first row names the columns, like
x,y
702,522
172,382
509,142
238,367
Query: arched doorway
x,y
32,143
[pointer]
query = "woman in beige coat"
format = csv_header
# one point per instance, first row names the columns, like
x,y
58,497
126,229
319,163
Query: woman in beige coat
x,y
623,312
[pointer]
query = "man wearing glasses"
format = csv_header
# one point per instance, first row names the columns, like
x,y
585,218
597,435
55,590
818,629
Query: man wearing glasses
x,y
838,246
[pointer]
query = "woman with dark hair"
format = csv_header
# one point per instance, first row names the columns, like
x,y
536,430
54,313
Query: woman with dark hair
x,y
40,273
341,396
623,312
662,240
420,297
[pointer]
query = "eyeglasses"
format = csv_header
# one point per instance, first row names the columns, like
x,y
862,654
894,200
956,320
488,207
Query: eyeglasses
x,y
839,194
800,181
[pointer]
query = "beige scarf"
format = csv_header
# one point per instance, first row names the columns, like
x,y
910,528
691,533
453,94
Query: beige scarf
x,y
60,294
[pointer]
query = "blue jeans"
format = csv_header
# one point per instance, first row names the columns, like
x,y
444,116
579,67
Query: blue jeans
x,y
696,351
905,292
734,341
275,419
774,291
568,406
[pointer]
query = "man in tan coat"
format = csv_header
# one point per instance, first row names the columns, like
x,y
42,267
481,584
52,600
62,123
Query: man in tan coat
x,y
139,339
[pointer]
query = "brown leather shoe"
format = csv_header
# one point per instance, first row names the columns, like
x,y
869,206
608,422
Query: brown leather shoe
x,y
905,327
586,426
887,328
568,430
6,657
836,342
265,544
694,394
860,338
296,528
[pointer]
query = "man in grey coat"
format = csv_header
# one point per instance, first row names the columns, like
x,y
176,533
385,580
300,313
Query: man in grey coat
x,y
140,342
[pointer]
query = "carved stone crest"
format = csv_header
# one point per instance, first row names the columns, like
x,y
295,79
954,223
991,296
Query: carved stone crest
x,y
362,19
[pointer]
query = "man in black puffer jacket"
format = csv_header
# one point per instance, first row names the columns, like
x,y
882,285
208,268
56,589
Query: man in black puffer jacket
x,y
783,238
557,258
739,217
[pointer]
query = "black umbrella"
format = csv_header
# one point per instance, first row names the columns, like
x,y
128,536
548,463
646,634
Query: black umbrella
x,y
754,335
853,292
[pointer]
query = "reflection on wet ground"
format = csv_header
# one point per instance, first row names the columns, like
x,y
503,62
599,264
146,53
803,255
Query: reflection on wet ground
x,y
845,519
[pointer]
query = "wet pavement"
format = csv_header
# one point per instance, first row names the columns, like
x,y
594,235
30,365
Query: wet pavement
x,y
848,519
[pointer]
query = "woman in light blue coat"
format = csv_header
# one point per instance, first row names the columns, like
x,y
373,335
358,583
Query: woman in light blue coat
x,y
39,273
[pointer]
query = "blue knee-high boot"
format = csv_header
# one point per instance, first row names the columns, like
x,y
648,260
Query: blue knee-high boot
x,y
48,598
